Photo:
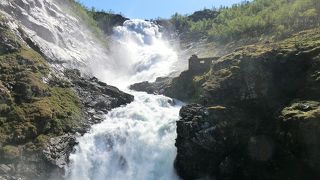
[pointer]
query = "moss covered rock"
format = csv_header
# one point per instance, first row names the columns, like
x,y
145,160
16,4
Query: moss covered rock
x,y
300,130
30,108
276,88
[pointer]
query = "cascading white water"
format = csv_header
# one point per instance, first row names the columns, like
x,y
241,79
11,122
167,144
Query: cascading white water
x,y
135,142
138,53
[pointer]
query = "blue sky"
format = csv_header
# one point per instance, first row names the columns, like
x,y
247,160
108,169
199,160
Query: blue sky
x,y
151,9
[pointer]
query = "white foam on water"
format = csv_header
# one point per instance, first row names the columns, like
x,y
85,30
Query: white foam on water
x,y
139,53
135,142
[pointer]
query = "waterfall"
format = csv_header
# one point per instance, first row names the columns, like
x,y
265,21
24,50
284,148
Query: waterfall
x,y
138,52
135,142
61,34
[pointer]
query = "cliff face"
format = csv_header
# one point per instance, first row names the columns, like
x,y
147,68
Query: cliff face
x,y
259,117
42,109
60,29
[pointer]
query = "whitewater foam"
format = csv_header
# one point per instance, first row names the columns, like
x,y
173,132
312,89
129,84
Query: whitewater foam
x,y
136,141
139,53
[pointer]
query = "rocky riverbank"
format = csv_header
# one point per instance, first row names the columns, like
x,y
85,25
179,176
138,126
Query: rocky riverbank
x,y
42,109
257,113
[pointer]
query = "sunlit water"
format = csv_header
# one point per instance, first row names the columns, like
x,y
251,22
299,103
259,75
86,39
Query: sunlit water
x,y
136,141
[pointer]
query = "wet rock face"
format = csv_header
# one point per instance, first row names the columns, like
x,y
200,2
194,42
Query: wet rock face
x,y
97,97
7,44
59,148
41,20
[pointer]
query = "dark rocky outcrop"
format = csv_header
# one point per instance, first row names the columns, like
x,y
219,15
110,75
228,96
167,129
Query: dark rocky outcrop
x,y
59,148
204,14
178,87
97,97
157,87
207,137
257,115
107,21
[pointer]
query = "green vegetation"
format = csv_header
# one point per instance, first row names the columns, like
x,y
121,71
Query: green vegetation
x,y
32,107
251,21
99,22
107,20
83,14
252,60
11,152
306,110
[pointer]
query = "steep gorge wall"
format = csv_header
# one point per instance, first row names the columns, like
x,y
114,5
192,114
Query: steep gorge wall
x,y
44,105
259,114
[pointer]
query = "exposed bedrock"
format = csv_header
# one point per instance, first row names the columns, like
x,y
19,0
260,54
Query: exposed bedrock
x,y
257,115
43,110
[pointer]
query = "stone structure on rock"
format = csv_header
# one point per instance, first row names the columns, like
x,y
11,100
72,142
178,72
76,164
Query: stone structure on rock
x,y
200,65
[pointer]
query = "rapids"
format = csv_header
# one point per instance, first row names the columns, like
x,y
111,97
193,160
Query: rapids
x,y
135,142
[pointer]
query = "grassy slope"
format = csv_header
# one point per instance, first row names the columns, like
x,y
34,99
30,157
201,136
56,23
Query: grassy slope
x,y
247,23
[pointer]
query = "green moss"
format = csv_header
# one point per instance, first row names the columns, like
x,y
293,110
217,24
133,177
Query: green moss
x,y
305,110
217,108
11,152
30,109
67,108
42,140
4,108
